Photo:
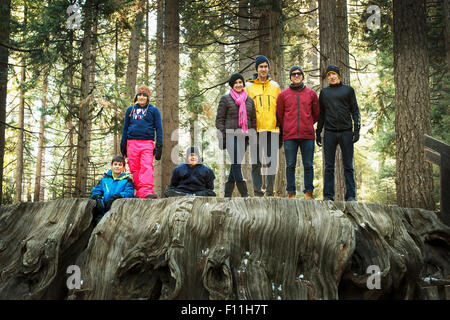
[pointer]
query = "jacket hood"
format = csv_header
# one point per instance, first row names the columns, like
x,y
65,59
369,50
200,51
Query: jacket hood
x,y
193,150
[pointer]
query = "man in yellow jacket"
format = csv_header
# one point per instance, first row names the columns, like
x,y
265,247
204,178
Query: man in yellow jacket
x,y
264,92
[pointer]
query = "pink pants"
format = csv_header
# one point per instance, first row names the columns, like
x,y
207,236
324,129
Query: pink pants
x,y
140,161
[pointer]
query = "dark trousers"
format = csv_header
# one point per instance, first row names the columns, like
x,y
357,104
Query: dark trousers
x,y
330,142
307,150
236,151
175,192
267,149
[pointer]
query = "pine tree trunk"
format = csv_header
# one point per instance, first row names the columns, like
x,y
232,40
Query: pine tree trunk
x,y
68,180
247,49
159,65
84,119
146,64
118,109
21,122
344,61
446,9
5,9
170,88
329,54
38,178
270,45
412,100
133,54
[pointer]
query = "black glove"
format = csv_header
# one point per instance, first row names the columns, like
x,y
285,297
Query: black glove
x,y
318,138
111,200
157,152
355,136
97,196
123,148
99,205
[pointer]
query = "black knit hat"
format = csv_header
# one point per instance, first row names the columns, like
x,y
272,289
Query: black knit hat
x,y
332,68
296,68
234,77
259,60
195,150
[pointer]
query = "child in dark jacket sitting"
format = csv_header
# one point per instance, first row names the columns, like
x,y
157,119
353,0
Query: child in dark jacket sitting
x,y
191,178
115,184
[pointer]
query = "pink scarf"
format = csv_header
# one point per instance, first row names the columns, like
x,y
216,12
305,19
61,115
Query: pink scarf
x,y
240,98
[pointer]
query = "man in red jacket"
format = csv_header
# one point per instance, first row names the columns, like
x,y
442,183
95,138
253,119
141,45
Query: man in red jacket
x,y
297,111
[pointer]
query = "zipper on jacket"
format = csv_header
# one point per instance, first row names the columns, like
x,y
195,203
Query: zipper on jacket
x,y
106,187
268,100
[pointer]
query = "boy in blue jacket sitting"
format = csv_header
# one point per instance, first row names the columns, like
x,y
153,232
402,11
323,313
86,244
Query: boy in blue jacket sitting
x,y
191,178
114,185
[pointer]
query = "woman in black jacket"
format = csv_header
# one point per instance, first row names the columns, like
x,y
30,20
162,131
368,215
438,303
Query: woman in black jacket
x,y
236,111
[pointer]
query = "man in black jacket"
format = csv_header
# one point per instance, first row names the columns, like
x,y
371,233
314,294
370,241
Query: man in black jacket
x,y
338,107
191,178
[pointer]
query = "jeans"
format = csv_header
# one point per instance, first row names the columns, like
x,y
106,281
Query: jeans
x,y
236,152
307,150
330,142
267,149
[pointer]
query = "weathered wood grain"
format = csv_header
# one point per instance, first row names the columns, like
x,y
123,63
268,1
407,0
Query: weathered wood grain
x,y
37,243
216,248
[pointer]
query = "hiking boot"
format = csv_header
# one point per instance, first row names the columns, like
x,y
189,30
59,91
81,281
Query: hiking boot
x,y
242,187
151,196
229,187
351,199
291,195
327,199
309,195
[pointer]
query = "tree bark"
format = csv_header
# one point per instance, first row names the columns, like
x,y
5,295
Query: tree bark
x,y
159,66
68,180
215,248
133,54
329,54
247,50
344,63
171,82
21,123
119,110
270,45
39,162
412,101
42,239
5,11
84,122
446,9
147,40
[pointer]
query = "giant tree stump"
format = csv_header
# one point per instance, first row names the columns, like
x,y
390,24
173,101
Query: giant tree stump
x,y
216,248
37,243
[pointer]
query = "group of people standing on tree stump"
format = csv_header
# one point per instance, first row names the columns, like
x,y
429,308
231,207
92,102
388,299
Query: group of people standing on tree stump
x,y
260,115
255,114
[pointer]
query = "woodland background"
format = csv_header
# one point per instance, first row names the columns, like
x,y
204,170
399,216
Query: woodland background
x,y
64,86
